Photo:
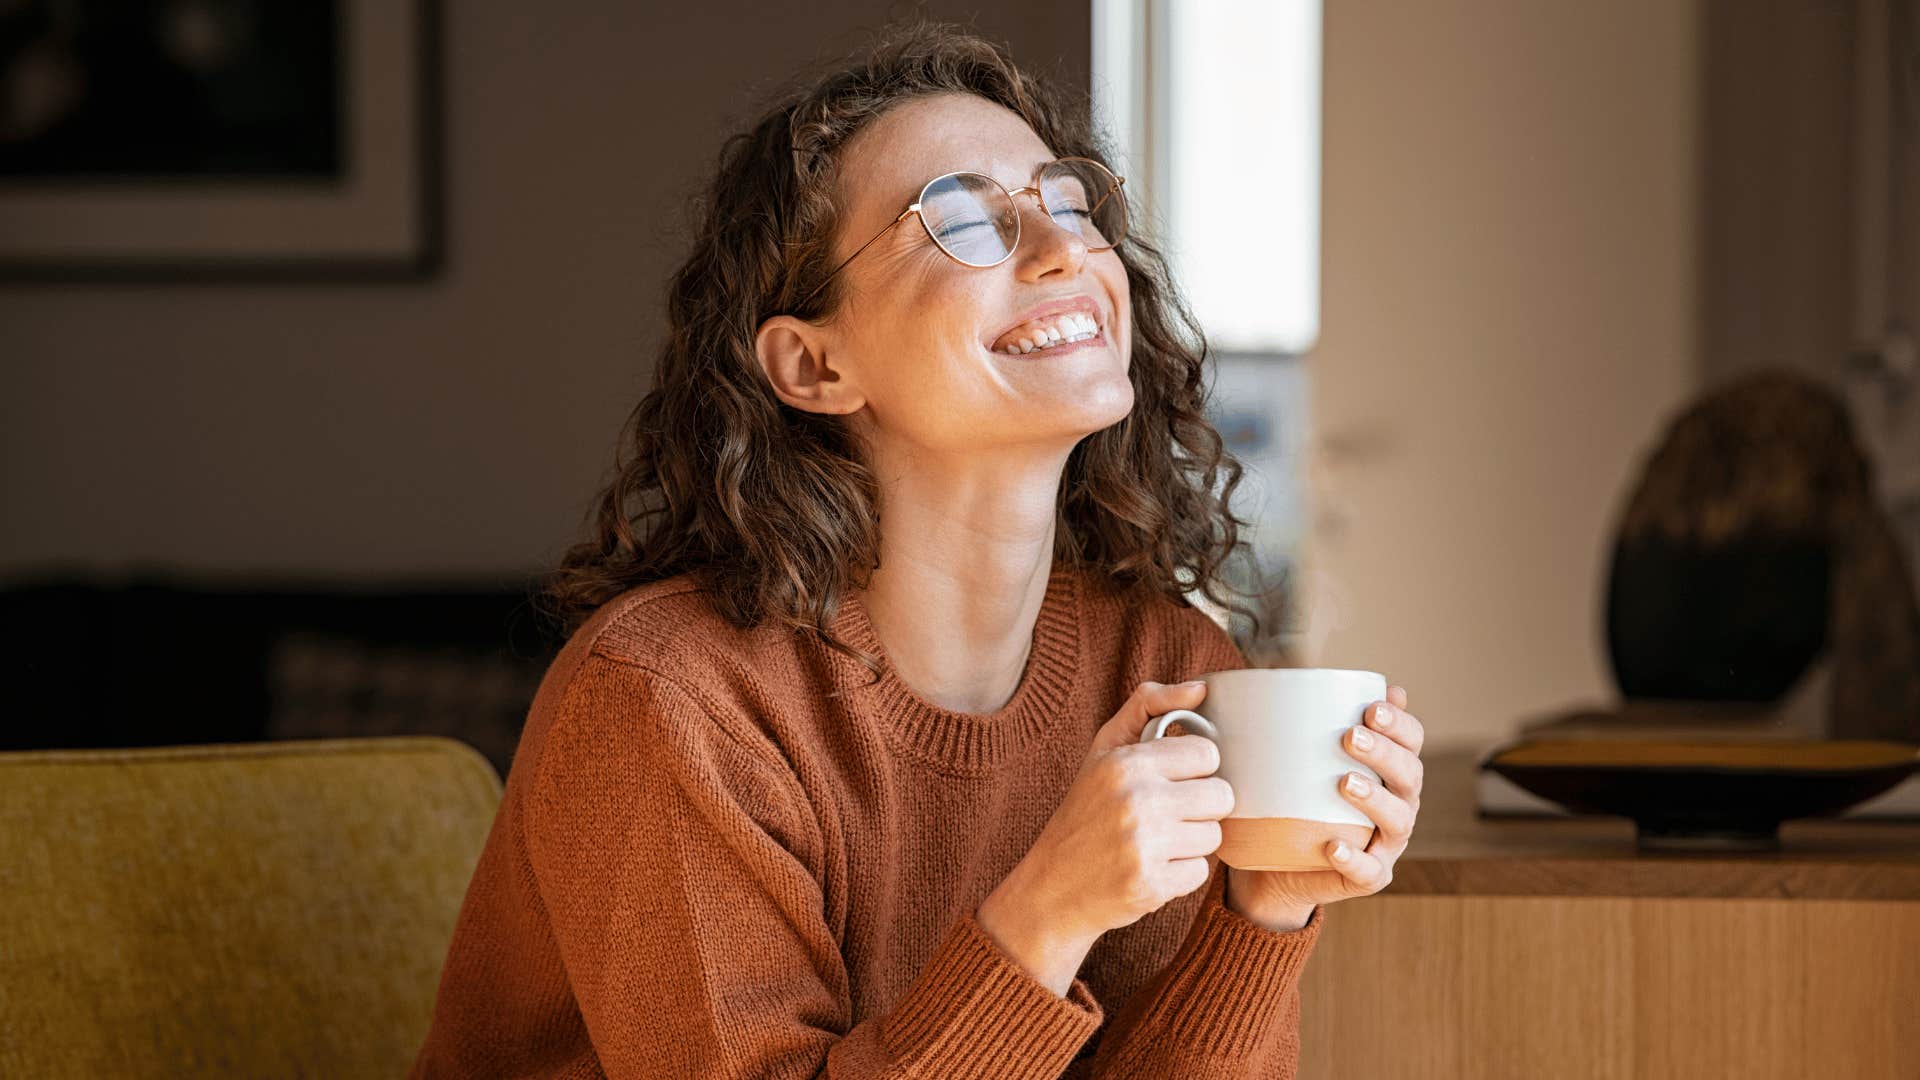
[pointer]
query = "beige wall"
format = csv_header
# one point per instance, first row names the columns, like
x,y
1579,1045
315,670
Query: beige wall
x,y
1777,261
1509,301
453,427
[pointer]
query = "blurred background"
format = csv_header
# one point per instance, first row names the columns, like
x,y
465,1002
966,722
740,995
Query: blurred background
x,y
318,323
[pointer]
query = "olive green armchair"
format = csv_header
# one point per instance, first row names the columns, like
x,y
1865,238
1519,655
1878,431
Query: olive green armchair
x,y
275,909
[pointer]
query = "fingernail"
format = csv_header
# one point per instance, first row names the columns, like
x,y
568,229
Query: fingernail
x,y
1382,716
1362,738
1340,852
1193,682
1357,787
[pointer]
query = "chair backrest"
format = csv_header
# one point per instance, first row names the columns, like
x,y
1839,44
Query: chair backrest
x,y
260,909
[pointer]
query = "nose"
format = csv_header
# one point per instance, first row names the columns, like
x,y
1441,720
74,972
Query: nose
x,y
1045,245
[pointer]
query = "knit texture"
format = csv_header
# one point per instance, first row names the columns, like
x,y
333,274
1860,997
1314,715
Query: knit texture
x,y
705,866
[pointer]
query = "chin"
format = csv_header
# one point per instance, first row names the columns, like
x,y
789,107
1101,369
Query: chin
x,y
1099,408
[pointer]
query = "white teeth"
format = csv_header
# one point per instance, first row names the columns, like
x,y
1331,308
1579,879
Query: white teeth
x,y
1063,330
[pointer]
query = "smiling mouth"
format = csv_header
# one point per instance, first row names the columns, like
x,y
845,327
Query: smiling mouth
x,y
1027,346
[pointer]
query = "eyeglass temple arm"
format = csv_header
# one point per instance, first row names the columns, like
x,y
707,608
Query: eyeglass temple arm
x,y
904,214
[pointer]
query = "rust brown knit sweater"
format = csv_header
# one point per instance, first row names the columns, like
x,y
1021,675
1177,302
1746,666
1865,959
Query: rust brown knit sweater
x,y
703,866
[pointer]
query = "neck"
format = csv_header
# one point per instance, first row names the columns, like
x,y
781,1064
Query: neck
x,y
963,572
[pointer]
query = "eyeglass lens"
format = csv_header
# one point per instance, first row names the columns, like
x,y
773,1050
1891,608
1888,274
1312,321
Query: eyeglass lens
x,y
974,220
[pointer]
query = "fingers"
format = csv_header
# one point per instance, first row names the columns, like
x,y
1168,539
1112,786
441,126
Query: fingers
x,y
1206,799
1148,700
1400,769
1190,874
1151,699
1364,872
1390,813
1176,757
1393,804
1193,839
1398,724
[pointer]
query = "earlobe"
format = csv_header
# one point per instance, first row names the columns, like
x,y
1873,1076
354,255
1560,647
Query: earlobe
x,y
793,357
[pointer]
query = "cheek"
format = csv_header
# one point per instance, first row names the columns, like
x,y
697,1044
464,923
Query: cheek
x,y
926,372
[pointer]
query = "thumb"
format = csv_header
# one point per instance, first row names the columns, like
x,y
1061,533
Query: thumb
x,y
1149,699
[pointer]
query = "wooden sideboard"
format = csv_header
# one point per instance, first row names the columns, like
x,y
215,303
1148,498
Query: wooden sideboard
x,y
1543,949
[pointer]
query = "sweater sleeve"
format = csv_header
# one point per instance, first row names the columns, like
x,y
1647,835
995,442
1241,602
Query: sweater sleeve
x,y
680,864
1228,1003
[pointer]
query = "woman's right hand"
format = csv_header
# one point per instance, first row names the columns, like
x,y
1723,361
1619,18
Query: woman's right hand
x,y
1132,833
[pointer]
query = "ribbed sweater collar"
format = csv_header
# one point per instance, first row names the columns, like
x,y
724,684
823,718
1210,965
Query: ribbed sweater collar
x,y
962,741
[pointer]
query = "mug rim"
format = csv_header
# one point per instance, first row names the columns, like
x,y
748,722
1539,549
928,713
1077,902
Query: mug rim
x,y
1295,671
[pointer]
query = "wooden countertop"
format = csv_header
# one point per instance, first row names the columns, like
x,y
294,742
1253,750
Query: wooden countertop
x,y
1455,852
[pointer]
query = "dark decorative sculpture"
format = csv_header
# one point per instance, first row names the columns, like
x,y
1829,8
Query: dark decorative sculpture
x,y
1753,542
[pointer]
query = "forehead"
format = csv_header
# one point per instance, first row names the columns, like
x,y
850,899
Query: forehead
x,y
894,157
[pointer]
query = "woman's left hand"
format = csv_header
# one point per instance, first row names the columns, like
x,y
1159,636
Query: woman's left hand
x,y
1392,737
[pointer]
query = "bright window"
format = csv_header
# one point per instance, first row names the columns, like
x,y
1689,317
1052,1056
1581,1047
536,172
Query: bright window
x,y
1214,109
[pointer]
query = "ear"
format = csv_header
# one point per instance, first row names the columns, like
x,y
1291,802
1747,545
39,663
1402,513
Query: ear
x,y
793,354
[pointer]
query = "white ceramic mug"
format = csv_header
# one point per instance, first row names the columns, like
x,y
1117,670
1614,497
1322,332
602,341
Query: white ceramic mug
x,y
1281,735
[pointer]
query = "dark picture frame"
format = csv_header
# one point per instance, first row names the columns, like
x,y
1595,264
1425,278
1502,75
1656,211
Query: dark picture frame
x,y
344,183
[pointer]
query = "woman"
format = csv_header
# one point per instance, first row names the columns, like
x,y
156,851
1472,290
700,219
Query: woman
x,y
838,774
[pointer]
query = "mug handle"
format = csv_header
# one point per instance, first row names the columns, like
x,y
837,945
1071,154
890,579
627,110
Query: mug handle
x,y
1194,722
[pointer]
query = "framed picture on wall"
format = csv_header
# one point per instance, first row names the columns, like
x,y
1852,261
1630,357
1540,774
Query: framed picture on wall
x,y
235,139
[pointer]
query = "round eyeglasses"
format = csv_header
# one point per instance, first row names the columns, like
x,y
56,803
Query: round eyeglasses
x,y
973,218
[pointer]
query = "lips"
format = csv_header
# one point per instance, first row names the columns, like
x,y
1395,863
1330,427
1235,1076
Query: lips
x,y
1080,304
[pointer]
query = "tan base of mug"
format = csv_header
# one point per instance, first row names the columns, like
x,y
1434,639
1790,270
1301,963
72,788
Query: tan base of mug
x,y
1284,843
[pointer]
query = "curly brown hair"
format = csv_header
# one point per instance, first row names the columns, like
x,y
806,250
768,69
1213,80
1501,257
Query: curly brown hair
x,y
773,507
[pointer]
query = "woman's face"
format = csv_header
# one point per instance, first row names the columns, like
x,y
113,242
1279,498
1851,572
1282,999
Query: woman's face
x,y
908,354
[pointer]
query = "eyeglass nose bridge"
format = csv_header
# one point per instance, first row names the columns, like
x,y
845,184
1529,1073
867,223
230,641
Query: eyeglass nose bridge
x,y
1020,225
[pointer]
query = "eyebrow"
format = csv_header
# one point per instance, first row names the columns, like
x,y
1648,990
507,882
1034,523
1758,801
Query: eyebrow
x,y
1026,178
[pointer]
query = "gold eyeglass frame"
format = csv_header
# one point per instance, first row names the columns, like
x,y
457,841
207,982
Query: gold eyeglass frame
x,y
1018,226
